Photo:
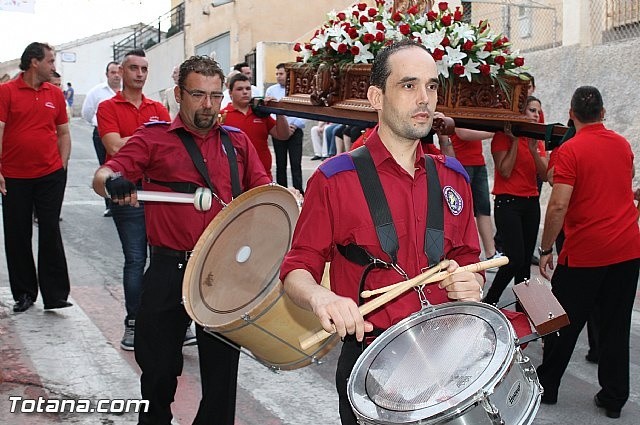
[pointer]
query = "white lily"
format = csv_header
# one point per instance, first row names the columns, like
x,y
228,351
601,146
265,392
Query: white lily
x,y
482,54
432,40
364,55
471,68
454,56
443,68
464,32
319,41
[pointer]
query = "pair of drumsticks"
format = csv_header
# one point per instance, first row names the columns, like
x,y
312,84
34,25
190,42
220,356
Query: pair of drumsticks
x,y
434,274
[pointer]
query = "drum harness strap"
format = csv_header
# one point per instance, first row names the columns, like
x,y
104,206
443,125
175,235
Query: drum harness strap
x,y
198,161
383,221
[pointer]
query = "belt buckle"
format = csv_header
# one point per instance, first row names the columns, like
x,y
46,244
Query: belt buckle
x,y
187,255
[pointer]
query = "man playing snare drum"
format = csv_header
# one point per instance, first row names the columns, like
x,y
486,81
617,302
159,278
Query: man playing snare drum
x,y
157,153
335,221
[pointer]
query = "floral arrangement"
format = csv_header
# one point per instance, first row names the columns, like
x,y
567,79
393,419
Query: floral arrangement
x,y
460,49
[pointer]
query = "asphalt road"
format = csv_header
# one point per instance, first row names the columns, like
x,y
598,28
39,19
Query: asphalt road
x,y
74,353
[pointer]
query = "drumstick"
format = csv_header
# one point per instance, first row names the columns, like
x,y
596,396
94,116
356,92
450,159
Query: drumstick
x,y
476,267
201,199
367,308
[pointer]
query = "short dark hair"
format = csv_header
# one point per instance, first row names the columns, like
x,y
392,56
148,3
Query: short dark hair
x,y
532,99
586,104
135,52
34,50
238,77
106,70
532,80
280,65
239,66
203,65
380,69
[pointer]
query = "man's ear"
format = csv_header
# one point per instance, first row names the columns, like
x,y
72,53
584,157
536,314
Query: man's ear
x,y
602,114
177,94
375,96
573,117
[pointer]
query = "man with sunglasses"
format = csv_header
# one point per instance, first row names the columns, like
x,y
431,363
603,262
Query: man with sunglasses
x,y
157,152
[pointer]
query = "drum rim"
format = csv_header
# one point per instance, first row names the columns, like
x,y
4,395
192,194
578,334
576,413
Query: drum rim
x,y
362,405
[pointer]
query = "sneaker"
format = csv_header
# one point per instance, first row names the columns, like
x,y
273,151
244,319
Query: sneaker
x,y
498,254
107,213
128,337
189,338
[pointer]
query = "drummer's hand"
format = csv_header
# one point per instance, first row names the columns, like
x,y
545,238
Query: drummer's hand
x,y
340,315
463,286
121,190
297,195
545,260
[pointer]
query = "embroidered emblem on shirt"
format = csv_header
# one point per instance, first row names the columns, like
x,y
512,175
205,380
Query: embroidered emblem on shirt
x,y
454,200
50,105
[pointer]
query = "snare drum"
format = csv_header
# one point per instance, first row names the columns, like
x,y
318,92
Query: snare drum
x,y
454,363
231,284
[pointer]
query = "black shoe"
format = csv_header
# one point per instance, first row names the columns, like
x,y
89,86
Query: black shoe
x,y
22,304
107,213
591,358
57,304
316,158
535,260
610,413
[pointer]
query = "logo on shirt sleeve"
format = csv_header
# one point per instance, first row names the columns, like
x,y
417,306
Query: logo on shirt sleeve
x,y
453,199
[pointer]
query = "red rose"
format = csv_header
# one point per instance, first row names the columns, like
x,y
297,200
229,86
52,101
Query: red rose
x,y
380,2
504,39
380,36
397,17
380,26
342,16
355,13
519,61
315,34
445,42
500,60
362,7
468,45
353,33
432,16
488,47
484,69
446,20
372,12
413,10
298,59
458,69
498,43
368,38
437,54
355,50
482,26
443,6
405,29
342,48
297,47
457,15
363,19
307,46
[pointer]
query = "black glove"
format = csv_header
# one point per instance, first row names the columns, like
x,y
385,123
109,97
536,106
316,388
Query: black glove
x,y
118,187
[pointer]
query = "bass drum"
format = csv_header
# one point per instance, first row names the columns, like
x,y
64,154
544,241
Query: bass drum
x,y
231,285
454,363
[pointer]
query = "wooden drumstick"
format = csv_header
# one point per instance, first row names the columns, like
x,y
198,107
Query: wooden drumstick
x,y
476,267
201,199
367,308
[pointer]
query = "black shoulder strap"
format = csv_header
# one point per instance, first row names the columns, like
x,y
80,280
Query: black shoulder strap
x,y
198,161
377,202
434,237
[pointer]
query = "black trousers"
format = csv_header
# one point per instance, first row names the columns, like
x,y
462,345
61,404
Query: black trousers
x,y
351,350
517,220
579,290
294,146
43,195
160,327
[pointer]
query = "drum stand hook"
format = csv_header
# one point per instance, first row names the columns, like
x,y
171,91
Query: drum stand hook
x,y
492,411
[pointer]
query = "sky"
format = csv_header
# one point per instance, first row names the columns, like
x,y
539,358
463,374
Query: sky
x,y
60,21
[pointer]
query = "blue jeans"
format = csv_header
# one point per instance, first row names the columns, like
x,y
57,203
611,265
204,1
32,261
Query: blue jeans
x,y
133,237
330,135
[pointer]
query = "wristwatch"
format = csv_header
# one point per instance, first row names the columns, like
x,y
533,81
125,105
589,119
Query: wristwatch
x,y
542,252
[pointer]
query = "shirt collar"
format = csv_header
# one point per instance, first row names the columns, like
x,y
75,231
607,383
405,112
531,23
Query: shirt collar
x,y
592,127
21,84
178,123
380,153
119,97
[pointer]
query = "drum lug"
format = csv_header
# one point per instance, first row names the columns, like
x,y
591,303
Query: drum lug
x,y
492,410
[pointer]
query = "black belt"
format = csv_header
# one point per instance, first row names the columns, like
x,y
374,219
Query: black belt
x,y
168,252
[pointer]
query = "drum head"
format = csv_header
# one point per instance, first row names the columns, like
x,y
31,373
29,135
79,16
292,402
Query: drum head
x,y
237,259
431,363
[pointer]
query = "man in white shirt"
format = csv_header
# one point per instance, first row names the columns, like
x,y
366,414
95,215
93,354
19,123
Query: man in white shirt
x,y
293,144
103,91
170,101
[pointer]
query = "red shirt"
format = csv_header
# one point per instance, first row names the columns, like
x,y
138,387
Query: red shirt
x,y
601,225
523,180
335,212
30,141
118,115
156,152
468,152
256,128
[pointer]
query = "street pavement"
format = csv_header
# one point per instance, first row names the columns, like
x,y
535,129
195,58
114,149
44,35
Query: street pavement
x,y
74,353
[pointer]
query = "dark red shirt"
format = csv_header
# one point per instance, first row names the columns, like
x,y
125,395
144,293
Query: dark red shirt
x,y
30,141
335,212
118,115
156,151
256,128
601,225
523,179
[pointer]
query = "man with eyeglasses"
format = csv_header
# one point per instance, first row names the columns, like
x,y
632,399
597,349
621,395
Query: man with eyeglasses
x,y
157,152
118,118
